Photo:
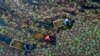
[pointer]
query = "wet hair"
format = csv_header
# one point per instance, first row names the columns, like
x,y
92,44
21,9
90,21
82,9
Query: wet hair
x,y
28,47
69,22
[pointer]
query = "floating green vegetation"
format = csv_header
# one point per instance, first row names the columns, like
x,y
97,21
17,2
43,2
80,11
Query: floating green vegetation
x,y
1,47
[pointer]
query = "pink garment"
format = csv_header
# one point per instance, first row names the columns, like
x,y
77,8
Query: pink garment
x,y
47,38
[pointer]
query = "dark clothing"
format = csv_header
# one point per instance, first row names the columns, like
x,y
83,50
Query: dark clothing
x,y
47,25
5,39
2,22
31,2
